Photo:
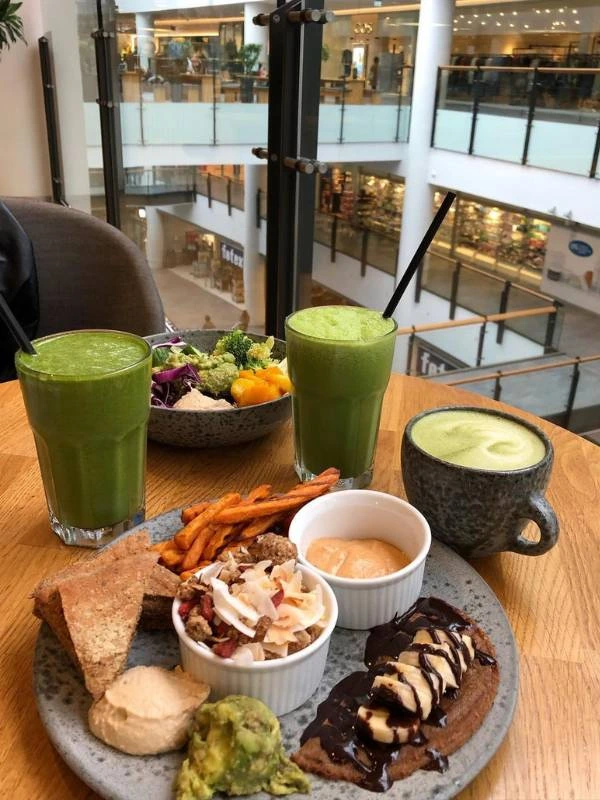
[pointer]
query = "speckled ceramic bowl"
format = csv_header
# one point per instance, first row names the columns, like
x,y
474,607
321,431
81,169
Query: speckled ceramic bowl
x,y
222,427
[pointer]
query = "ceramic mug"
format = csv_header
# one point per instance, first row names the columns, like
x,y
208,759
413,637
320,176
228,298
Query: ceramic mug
x,y
478,512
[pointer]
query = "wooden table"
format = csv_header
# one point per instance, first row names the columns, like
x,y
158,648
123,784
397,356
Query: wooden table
x,y
552,751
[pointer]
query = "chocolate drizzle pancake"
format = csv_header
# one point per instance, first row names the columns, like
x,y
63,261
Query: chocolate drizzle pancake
x,y
419,731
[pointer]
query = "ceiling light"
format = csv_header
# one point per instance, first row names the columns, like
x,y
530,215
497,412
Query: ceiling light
x,y
526,26
511,25
454,29
515,13
483,23
142,213
537,11
576,22
574,11
475,15
497,24
547,10
462,16
488,15
469,22
561,11
502,13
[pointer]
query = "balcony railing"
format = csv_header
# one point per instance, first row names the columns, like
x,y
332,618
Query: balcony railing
x,y
220,106
544,117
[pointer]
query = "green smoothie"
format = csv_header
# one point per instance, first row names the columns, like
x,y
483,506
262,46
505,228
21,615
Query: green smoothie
x,y
477,440
339,361
87,395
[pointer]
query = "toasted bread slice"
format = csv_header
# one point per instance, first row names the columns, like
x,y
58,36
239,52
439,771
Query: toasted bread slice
x,y
101,612
161,588
47,601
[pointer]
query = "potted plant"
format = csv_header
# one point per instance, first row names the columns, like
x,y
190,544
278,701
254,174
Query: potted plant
x,y
248,54
11,24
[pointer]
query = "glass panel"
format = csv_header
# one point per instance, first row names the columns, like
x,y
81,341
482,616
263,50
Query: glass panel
x,y
499,136
437,275
382,252
478,292
562,146
586,410
454,111
542,393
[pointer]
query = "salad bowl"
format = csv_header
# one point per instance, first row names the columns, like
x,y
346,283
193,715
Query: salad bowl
x,y
220,427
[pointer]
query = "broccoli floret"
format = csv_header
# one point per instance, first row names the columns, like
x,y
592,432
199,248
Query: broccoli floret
x,y
236,343
259,354
218,379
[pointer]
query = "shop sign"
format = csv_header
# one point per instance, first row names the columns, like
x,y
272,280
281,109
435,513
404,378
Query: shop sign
x,y
581,249
232,255
430,360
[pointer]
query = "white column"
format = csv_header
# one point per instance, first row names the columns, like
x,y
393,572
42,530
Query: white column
x,y
434,41
254,268
257,34
145,38
154,237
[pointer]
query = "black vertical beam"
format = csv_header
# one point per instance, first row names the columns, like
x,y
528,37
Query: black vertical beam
x,y
572,393
333,243
482,332
418,282
497,386
104,43
52,128
399,111
409,352
530,115
435,105
551,328
454,289
294,87
477,84
596,154
342,110
229,196
257,206
363,252
208,190
502,310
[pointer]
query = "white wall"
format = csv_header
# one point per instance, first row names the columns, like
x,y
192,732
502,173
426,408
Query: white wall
x,y
24,166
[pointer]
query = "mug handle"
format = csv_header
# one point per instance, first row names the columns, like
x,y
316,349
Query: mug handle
x,y
541,512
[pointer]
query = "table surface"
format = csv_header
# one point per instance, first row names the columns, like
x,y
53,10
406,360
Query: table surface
x,y
552,602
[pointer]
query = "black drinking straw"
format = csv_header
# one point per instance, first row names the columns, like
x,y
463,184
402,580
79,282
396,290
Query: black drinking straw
x,y
419,254
15,328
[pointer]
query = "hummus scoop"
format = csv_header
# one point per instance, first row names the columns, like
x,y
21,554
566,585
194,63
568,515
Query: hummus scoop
x,y
147,710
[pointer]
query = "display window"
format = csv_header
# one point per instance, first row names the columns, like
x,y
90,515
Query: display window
x,y
501,239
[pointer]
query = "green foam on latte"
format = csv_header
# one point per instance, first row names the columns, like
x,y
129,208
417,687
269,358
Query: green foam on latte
x,y
477,440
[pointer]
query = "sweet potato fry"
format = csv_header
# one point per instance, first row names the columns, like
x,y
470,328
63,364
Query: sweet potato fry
x,y
160,546
189,572
187,535
172,557
223,534
258,526
196,551
259,493
188,514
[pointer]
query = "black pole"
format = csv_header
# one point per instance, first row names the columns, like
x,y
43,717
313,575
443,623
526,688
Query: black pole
x,y
397,136
551,328
497,386
109,123
229,196
482,332
572,393
418,282
596,155
214,102
502,310
435,105
476,95
342,110
209,190
258,196
52,128
409,353
530,115
454,289
363,252
333,244
295,61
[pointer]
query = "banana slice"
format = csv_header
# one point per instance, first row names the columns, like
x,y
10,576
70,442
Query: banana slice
x,y
461,645
409,689
381,725
435,658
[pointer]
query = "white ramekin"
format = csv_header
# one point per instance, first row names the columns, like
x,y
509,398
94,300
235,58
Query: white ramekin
x,y
362,514
283,684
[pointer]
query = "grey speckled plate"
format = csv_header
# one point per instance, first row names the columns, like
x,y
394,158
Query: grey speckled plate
x,y
63,701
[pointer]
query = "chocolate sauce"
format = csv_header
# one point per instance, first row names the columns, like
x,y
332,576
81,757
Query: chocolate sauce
x,y
438,760
336,721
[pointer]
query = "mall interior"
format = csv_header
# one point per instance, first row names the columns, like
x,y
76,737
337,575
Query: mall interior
x,y
497,101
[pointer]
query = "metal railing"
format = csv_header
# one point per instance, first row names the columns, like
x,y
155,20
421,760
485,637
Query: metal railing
x,y
508,291
499,375
412,331
532,94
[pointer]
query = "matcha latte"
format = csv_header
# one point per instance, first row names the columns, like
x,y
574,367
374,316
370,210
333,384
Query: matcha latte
x,y
477,440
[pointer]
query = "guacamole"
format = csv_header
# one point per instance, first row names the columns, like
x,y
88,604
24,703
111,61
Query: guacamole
x,y
235,747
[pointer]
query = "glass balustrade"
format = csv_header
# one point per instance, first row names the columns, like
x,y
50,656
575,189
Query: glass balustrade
x,y
543,117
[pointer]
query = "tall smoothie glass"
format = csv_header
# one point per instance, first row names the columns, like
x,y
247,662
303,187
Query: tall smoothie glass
x,y
87,395
339,361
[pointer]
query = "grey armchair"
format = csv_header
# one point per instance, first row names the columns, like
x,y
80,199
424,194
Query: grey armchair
x,y
90,274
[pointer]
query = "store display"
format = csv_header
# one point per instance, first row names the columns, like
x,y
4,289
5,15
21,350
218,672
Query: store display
x,y
379,204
